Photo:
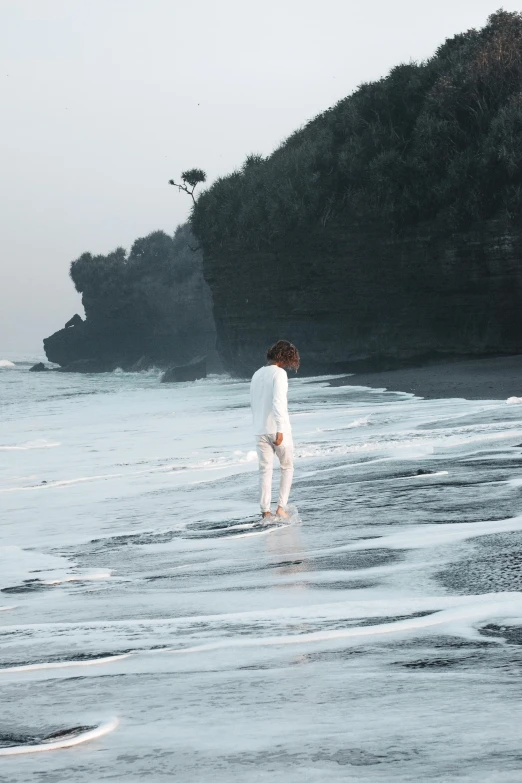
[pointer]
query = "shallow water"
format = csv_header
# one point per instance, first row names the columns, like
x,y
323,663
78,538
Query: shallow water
x,y
376,637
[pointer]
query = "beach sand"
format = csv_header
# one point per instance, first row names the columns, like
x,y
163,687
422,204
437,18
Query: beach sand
x,y
473,379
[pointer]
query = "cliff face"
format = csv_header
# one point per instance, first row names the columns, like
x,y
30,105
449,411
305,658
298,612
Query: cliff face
x,y
152,307
365,298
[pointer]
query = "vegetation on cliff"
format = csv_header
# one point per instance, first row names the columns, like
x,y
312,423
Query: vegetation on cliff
x,y
150,303
115,285
439,140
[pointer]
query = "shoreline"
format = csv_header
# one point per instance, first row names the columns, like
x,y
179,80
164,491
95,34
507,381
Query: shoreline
x,y
473,379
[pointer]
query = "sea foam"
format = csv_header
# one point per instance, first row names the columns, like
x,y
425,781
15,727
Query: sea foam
x,y
350,613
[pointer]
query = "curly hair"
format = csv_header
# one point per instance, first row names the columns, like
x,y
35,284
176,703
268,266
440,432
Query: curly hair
x,y
284,353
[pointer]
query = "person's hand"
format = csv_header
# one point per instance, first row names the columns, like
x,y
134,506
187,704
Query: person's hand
x,y
279,439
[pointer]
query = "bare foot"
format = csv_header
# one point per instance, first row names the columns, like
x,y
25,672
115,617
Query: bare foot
x,y
282,513
266,514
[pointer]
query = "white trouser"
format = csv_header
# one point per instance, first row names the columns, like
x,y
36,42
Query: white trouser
x,y
266,449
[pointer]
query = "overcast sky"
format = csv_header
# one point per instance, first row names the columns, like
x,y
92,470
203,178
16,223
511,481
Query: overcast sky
x,y
104,100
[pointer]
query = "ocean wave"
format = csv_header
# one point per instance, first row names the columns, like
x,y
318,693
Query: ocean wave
x,y
31,444
29,571
66,738
33,667
435,535
151,371
217,378
435,474
79,578
6,364
417,445
212,463
273,528
62,483
458,621
362,422
382,605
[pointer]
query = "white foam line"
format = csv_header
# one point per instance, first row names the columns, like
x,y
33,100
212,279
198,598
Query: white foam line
x,y
256,533
148,471
99,731
356,609
349,465
379,479
6,608
443,617
424,536
329,576
398,448
244,526
79,578
63,483
32,667
30,446
428,475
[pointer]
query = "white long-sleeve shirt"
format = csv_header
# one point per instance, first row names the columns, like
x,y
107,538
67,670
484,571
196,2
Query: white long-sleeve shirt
x,y
268,400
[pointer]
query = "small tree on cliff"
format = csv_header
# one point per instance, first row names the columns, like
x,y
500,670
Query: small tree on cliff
x,y
191,179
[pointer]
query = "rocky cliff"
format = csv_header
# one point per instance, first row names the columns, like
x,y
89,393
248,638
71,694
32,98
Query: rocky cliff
x,y
149,307
388,229
360,298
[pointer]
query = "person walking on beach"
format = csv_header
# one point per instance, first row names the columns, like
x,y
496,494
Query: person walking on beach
x,y
268,400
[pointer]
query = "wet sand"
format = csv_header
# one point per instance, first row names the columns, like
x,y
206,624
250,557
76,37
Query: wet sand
x,y
473,379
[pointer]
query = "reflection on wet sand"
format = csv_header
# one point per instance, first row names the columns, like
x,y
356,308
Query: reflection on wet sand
x,y
286,549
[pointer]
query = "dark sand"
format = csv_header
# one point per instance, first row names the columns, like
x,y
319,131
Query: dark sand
x,y
474,379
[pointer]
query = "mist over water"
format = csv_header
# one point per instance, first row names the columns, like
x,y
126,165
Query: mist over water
x,y
146,613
